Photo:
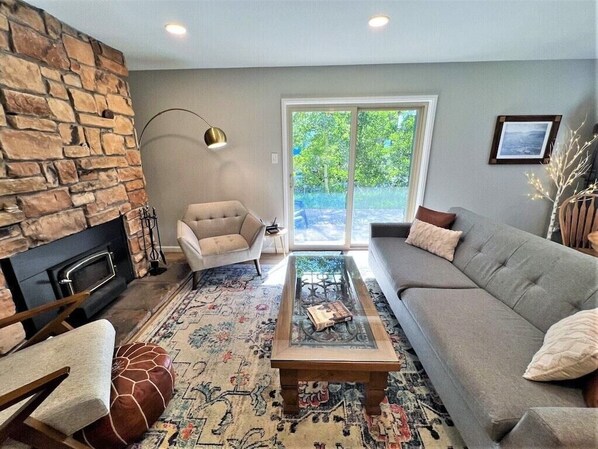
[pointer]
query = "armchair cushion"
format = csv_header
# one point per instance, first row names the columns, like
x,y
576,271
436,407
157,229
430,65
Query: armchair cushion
x,y
223,244
213,219
85,395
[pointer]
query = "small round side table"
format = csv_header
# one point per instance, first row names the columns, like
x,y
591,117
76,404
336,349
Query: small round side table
x,y
278,238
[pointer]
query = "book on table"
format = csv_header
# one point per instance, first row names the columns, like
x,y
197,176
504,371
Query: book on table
x,y
328,314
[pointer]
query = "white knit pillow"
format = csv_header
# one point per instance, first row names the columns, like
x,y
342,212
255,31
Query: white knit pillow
x,y
570,349
439,241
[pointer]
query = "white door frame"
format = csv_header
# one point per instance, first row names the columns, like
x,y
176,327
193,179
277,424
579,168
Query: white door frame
x,y
426,102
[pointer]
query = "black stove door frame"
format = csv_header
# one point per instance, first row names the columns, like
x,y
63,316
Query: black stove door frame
x,y
29,274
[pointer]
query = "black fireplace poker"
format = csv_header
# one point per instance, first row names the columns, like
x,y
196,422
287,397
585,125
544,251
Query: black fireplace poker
x,y
154,253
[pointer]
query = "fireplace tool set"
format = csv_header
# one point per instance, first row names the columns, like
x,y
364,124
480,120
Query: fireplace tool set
x,y
149,222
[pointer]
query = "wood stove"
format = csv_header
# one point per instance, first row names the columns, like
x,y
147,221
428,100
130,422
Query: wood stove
x,y
88,273
96,259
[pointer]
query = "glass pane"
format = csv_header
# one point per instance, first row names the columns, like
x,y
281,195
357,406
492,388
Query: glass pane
x,y
321,279
321,171
385,141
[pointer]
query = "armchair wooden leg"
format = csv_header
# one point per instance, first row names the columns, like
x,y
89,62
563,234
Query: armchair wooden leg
x,y
257,267
39,435
196,278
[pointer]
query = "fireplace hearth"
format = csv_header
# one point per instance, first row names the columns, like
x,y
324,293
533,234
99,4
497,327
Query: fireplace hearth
x,y
96,259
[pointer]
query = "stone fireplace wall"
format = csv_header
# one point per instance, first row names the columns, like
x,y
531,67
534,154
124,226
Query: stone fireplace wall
x,y
68,154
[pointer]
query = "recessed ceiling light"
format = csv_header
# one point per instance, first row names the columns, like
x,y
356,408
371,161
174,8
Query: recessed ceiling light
x,y
174,28
378,21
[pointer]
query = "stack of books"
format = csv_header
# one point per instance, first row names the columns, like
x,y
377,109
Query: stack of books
x,y
328,314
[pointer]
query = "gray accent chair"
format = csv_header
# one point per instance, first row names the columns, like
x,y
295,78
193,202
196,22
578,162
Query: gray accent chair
x,y
219,233
477,322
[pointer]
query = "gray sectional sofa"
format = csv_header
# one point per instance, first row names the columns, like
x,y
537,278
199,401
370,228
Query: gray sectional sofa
x,y
475,324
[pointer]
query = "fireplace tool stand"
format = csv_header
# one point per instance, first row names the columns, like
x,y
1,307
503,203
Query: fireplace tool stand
x,y
149,223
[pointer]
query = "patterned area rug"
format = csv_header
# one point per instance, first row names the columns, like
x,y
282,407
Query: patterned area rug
x,y
227,396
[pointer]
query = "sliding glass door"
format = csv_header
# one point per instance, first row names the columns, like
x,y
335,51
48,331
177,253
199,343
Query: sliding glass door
x,y
350,165
384,155
321,141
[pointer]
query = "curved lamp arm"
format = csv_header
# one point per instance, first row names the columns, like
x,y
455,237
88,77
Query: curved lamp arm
x,y
214,137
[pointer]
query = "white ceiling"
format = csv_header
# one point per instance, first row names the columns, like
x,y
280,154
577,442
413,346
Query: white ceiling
x,y
278,33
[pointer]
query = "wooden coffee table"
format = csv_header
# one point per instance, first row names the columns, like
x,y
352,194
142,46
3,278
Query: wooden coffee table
x,y
357,351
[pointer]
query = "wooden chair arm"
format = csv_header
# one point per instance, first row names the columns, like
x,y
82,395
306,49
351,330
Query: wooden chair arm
x,y
31,313
57,326
38,391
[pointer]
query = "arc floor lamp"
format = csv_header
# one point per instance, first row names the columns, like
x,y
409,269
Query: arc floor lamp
x,y
214,138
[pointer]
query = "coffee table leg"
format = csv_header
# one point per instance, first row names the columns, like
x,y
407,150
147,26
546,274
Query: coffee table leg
x,y
289,390
374,392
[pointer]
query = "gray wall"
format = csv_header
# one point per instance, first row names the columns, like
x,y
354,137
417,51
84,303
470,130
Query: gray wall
x,y
246,103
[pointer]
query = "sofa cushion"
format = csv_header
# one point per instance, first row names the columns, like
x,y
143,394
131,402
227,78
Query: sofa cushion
x,y
570,349
223,244
434,239
84,396
541,280
485,347
440,219
408,266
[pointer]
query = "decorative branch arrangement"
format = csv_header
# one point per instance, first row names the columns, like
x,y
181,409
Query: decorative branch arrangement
x,y
569,161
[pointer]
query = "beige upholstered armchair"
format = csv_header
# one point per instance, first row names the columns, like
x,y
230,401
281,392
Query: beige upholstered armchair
x,y
220,233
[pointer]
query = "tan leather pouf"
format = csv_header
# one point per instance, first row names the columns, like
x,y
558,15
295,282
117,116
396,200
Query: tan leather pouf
x,y
142,386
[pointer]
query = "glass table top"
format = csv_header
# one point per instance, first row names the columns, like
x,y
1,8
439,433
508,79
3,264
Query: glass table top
x,y
320,279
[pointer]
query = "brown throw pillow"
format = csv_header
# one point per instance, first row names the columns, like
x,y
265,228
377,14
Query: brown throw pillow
x,y
590,390
440,219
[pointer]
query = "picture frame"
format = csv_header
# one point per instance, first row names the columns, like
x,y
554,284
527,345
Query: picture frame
x,y
524,139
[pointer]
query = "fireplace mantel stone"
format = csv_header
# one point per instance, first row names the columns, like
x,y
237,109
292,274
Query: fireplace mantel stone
x,y
65,165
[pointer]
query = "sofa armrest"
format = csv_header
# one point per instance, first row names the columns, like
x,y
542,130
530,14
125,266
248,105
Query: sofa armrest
x,y
190,245
389,229
554,427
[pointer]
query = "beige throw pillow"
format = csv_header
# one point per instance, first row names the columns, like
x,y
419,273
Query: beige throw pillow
x,y
439,241
570,349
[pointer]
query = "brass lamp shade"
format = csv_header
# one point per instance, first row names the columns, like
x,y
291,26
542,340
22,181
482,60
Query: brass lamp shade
x,y
214,138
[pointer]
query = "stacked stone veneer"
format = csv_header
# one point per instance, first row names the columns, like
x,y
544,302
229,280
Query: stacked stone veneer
x,y
68,154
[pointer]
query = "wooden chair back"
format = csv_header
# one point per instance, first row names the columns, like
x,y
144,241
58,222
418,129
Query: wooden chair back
x,y
578,216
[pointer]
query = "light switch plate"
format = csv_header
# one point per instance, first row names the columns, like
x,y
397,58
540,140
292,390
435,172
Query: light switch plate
x,y
275,158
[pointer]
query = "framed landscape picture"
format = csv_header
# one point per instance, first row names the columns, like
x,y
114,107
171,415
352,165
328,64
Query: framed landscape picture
x,y
524,139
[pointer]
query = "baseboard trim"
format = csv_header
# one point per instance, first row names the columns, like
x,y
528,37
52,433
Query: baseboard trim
x,y
177,249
